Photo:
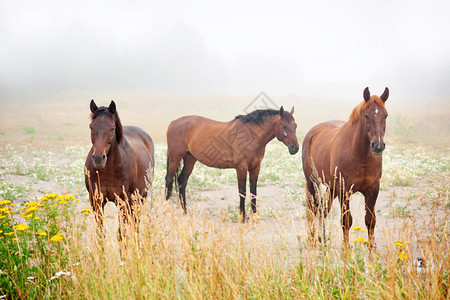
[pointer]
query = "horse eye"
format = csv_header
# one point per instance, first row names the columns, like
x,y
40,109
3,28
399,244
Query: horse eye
x,y
284,127
367,117
112,129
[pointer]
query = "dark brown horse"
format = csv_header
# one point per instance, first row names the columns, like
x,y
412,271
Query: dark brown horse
x,y
346,157
238,144
118,164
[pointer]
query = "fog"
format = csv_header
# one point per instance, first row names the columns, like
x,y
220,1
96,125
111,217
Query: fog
x,y
52,49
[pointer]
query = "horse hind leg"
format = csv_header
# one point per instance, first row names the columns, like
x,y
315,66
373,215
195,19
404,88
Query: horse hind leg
x,y
172,167
311,212
188,165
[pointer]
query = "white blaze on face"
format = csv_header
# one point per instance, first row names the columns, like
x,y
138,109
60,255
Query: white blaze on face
x,y
376,111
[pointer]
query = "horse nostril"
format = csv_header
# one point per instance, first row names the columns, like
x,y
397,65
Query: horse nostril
x,y
372,145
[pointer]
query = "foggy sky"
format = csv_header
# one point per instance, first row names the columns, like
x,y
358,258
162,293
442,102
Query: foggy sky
x,y
314,48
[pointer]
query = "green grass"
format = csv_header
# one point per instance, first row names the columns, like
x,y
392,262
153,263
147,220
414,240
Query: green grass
x,y
29,129
11,191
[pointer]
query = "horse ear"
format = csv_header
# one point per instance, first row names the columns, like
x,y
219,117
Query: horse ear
x,y
281,111
292,111
112,107
93,106
366,94
385,95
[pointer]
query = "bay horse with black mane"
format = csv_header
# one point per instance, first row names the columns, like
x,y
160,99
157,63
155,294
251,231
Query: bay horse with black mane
x,y
347,158
118,165
238,144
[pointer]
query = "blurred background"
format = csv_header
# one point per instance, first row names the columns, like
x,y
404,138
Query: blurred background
x,y
162,59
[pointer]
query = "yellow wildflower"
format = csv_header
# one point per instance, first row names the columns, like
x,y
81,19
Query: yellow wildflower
x,y
31,204
85,211
41,233
36,218
49,196
365,241
69,197
4,210
2,216
5,202
9,233
399,244
28,216
1,231
402,256
21,227
359,239
15,239
357,228
56,237
32,208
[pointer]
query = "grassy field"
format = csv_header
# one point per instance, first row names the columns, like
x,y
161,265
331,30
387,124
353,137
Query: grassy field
x,y
49,247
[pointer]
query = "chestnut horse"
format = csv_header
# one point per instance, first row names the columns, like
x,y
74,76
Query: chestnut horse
x,y
238,144
118,164
346,157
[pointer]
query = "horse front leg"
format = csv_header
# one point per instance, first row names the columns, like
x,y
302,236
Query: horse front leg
x,y
242,181
98,205
370,198
253,184
346,217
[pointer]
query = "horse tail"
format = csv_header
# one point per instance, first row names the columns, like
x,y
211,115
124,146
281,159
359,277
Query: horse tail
x,y
169,183
177,174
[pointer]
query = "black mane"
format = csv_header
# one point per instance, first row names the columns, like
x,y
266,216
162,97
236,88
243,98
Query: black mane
x,y
260,115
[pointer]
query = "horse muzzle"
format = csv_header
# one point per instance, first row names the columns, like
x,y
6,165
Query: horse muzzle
x,y
99,161
377,148
293,149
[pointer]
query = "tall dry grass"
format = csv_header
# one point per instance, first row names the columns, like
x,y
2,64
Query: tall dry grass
x,y
195,256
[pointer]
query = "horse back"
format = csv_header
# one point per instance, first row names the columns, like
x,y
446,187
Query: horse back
x,y
185,131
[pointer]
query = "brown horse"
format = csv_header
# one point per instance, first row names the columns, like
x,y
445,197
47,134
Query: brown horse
x,y
118,164
346,157
238,144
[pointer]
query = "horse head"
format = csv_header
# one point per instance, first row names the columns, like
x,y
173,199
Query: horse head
x,y
106,131
285,130
374,120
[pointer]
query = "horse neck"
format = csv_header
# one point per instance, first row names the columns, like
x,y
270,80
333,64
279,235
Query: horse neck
x,y
115,152
266,131
358,137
